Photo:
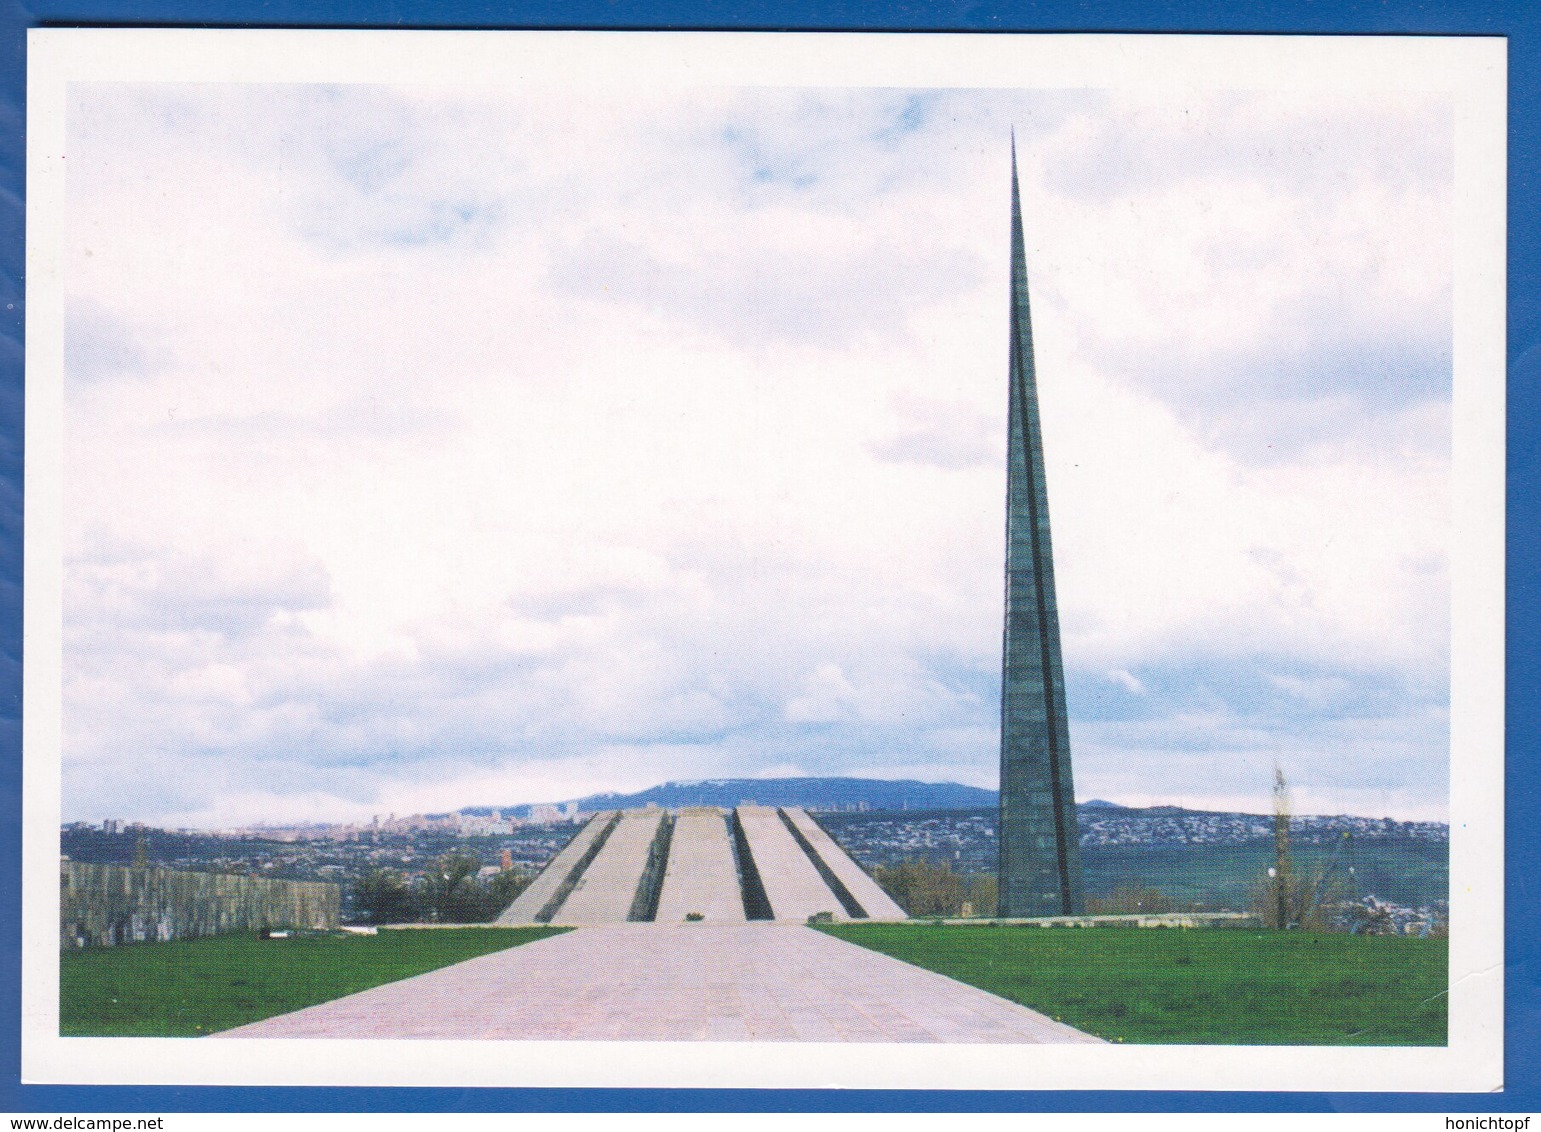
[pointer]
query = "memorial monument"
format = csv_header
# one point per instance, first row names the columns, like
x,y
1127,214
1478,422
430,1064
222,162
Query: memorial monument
x,y
702,864
1040,856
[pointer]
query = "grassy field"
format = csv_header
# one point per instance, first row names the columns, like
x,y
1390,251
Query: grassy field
x,y
188,988
1402,870
1201,986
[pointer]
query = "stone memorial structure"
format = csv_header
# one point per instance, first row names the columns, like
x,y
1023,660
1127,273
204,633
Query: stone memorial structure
x,y
1040,856
702,865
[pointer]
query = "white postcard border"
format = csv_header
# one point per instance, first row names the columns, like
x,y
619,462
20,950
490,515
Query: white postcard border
x,y
1473,70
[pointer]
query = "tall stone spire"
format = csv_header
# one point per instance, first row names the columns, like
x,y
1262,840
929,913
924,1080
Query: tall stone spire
x,y
1040,856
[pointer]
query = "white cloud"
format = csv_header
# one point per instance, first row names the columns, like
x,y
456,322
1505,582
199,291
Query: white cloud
x,y
426,446
827,697
1128,680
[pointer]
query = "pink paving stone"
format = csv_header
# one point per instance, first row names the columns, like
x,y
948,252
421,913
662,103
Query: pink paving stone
x,y
686,982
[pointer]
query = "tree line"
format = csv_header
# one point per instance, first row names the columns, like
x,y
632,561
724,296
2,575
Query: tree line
x,y
449,892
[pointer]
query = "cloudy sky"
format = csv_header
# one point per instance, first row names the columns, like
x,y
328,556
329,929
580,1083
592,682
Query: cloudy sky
x,y
431,447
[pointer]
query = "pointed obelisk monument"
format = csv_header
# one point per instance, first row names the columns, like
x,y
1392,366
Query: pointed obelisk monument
x,y
1040,856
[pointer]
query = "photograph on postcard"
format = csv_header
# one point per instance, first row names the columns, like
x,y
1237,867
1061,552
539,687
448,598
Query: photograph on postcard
x,y
752,563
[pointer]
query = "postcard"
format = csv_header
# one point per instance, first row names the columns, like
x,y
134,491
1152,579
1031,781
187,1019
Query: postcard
x,y
766,560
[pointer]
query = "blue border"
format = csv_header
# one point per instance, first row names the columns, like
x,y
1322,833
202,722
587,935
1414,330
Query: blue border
x,y
1519,21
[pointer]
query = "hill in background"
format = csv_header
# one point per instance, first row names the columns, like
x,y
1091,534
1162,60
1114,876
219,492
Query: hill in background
x,y
836,794
1101,820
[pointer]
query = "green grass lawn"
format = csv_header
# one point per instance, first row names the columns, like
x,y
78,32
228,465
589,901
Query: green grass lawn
x,y
187,988
1199,986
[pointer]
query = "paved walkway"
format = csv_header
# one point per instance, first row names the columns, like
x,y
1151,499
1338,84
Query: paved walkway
x,y
657,982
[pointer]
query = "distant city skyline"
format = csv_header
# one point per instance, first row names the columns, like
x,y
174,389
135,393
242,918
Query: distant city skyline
x,y
1093,817
428,448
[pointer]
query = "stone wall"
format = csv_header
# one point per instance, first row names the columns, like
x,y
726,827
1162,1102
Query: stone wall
x,y
104,905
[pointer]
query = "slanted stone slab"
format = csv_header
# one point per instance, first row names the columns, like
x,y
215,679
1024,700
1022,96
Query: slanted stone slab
x,y
702,877
529,903
607,888
873,900
792,883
